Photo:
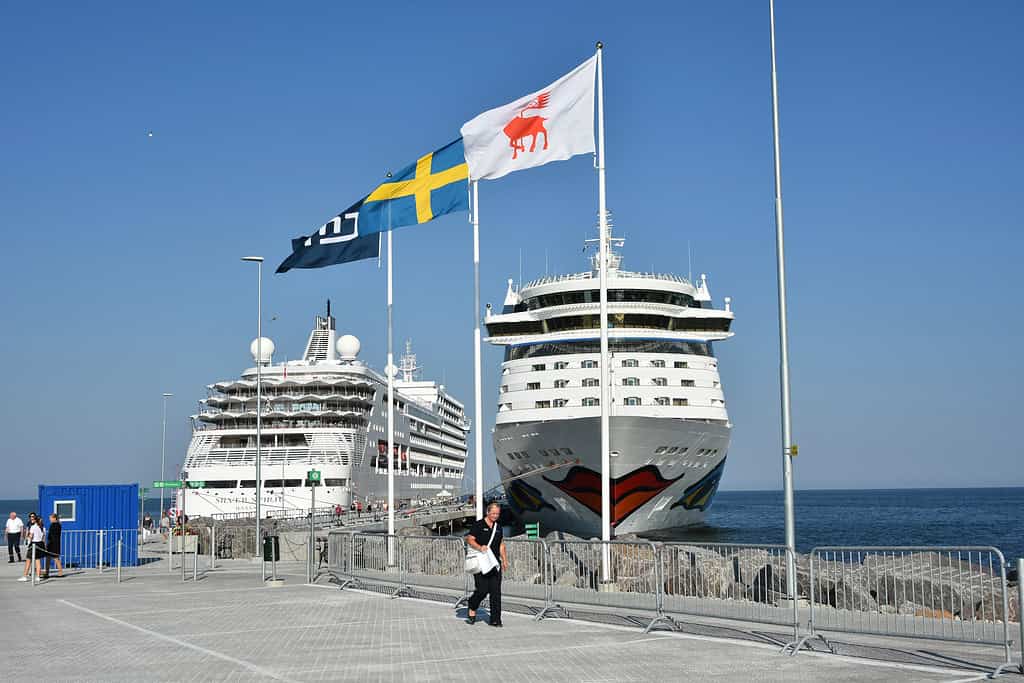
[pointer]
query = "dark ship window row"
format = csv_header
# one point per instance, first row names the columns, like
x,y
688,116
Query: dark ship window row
x,y
614,346
621,320
593,296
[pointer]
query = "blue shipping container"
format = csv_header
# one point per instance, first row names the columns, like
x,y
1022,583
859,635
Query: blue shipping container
x,y
84,509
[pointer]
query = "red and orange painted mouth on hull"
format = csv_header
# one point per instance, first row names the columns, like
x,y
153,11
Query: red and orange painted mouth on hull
x,y
629,492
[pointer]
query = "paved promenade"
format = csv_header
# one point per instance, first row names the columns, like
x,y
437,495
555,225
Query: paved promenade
x,y
228,627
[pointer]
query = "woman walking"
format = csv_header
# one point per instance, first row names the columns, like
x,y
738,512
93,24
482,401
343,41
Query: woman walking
x,y
36,547
486,537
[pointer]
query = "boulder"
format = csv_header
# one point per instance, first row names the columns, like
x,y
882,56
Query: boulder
x,y
938,583
695,571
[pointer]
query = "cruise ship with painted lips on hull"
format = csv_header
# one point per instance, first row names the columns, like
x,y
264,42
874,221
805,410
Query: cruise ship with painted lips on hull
x,y
326,411
669,426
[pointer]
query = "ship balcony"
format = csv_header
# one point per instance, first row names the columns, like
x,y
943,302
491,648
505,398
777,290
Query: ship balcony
x,y
334,397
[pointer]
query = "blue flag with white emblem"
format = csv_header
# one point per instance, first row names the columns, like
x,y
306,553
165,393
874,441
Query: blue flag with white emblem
x,y
435,185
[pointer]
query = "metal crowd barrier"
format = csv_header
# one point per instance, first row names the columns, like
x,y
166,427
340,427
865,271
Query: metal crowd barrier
x,y
936,593
434,562
728,581
529,573
634,580
367,558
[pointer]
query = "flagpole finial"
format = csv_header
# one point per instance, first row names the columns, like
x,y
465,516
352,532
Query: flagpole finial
x,y
600,45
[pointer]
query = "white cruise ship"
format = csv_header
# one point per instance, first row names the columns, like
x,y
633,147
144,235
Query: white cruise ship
x,y
327,411
669,425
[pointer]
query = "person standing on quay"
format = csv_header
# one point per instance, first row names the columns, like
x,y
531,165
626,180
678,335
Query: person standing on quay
x,y
483,537
15,528
36,548
53,546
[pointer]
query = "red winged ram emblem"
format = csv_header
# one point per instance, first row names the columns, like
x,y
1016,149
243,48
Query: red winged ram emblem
x,y
522,127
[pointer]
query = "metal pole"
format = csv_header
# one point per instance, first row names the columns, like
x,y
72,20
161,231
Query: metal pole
x,y
312,534
184,488
787,437
478,436
195,561
32,564
259,392
163,452
119,544
606,394
100,549
1020,609
170,550
390,369
213,546
258,260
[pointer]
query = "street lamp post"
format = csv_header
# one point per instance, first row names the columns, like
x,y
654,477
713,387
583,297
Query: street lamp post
x,y
163,453
258,260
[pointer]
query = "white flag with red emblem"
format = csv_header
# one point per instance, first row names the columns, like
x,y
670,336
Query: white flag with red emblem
x,y
552,124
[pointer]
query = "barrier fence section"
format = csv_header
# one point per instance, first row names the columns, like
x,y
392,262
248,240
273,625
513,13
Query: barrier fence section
x,y
938,593
728,581
529,573
634,576
434,562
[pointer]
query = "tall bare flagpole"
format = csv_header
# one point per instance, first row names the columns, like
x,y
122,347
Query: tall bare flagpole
x,y
787,436
602,216
390,370
478,437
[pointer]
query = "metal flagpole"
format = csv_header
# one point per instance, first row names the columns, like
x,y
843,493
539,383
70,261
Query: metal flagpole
x,y
258,260
390,370
787,442
163,450
478,437
602,215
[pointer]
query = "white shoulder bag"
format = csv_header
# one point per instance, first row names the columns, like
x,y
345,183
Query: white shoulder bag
x,y
482,562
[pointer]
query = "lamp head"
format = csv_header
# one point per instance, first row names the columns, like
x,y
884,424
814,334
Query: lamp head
x,y
254,259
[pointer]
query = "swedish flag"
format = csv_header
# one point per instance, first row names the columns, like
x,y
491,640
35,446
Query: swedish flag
x,y
433,186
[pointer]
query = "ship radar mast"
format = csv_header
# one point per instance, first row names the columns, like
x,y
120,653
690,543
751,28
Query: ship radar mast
x,y
614,258
408,363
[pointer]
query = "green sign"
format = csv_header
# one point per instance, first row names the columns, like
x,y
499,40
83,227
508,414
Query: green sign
x,y
173,484
313,475
533,530
197,484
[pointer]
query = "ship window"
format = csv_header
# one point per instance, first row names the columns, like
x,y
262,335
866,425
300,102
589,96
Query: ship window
x,y
660,382
630,363
679,402
561,383
278,483
590,402
591,382
539,367
681,364
657,363
335,482
532,385
615,346
566,451
687,383
672,449
632,401
560,403
661,400
247,484
542,404
222,484
630,382
588,364
660,449
504,388
561,365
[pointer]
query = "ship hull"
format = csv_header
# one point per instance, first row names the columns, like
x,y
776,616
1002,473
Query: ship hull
x,y
665,473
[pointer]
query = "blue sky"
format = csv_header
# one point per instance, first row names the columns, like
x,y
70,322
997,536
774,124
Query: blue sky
x,y
902,170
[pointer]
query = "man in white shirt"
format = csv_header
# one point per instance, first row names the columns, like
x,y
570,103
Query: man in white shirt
x,y
15,529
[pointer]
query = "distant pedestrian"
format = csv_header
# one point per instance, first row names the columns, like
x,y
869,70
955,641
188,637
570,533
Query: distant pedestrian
x,y
485,537
53,546
147,522
369,508
36,547
15,528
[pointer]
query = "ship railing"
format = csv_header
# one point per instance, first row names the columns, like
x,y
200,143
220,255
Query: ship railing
x,y
946,593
